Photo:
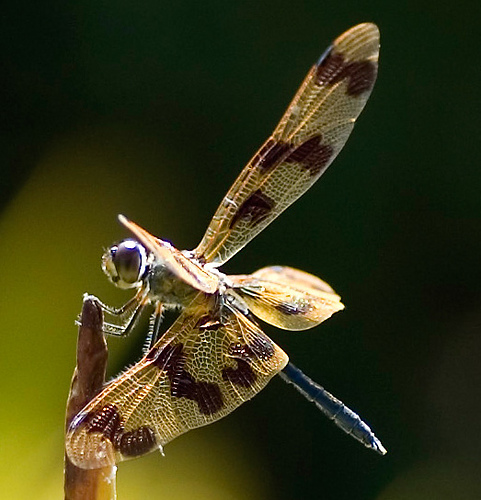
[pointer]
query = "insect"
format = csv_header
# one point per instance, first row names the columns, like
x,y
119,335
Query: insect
x,y
215,356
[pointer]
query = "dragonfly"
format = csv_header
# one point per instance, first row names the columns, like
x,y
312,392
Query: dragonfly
x,y
215,355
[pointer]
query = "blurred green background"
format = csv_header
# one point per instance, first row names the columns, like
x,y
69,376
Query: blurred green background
x,y
151,109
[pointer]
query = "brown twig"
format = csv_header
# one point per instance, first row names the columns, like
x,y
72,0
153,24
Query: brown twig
x,y
87,381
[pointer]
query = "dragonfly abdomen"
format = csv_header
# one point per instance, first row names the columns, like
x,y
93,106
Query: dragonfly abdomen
x,y
348,420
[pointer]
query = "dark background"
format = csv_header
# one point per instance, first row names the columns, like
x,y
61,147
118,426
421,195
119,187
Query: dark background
x,y
151,109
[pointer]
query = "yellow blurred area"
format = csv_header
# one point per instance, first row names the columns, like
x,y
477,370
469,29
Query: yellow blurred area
x,y
52,235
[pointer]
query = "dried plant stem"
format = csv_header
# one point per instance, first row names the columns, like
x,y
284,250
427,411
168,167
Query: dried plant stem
x,y
87,381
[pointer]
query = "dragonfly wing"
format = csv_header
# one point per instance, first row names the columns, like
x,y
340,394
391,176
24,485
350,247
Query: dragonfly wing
x,y
287,298
199,371
309,136
179,264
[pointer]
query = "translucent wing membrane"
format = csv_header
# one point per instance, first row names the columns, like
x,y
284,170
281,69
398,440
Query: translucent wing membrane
x,y
309,136
287,298
203,367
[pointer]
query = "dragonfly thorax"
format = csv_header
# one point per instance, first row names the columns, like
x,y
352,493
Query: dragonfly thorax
x,y
166,286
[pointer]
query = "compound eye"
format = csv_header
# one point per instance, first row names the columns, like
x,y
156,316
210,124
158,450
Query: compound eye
x,y
125,263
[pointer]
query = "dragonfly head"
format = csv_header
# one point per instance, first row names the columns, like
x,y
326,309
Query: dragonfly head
x,y
125,264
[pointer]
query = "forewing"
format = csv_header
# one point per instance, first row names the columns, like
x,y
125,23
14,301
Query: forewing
x,y
309,136
287,298
180,265
203,368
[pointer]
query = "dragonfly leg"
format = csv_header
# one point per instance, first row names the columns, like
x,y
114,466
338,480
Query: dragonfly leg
x,y
120,321
154,327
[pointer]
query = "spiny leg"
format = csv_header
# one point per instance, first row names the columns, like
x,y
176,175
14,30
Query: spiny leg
x,y
154,327
120,321
335,410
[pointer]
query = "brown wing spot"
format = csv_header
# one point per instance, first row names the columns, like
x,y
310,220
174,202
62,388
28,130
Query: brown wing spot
x,y
362,75
238,350
105,421
183,385
270,154
167,359
254,209
208,322
291,309
332,68
207,395
260,348
151,354
136,442
243,375
312,155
